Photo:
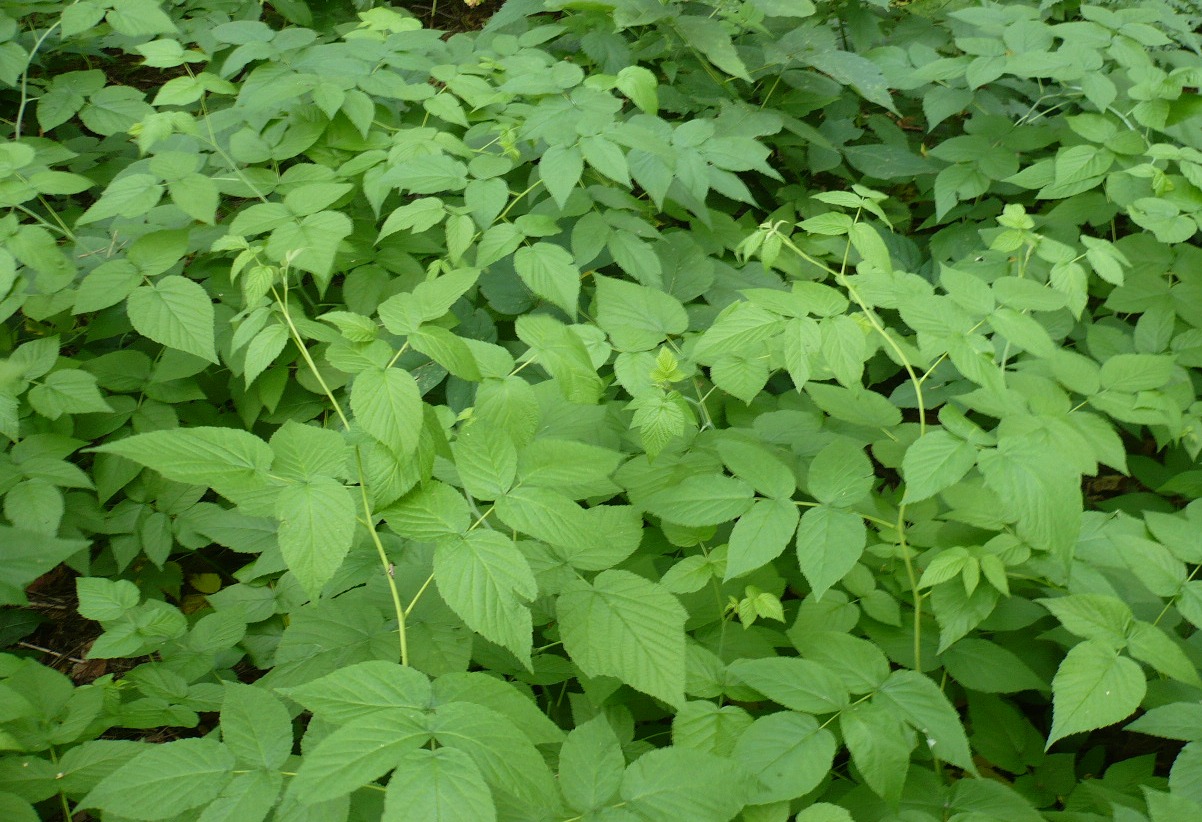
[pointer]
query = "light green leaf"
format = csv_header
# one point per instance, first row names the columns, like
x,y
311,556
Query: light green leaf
x,y
388,405
67,392
34,505
304,452
362,691
1152,646
560,168
248,797
591,765
880,746
673,784
797,684
1092,616
1177,720
430,513
1094,687
920,702
789,754
1136,372
934,462
485,460
263,349
635,317
417,216
227,460
359,752
140,18
175,312
624,626
548,270
981,665
506,698
840,474
128,196
639,84
317,526
488,583
443,785
711,38
853,70
705,499
754,463
606,158
829,544
165,780
311,242
255,726
1039,487
760,535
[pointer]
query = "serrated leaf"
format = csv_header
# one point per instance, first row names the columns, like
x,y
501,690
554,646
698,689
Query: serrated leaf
x,y
225,459
635,317
920,702
880,746
548,271
760,535
830,542
789,754
560,168
840,474
317,526
1093,687
486,580
754,463
362,691
707,499
591,765
359,752
672,784
165,780
388,405
934,462
443,785
255,726
797,684
625,626
175,312
430,513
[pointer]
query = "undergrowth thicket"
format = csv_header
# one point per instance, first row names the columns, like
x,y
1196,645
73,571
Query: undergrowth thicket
x,y
635,410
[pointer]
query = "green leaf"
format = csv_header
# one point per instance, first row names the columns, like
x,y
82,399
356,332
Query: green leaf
x,y
981,665
443,785
548,270
487,582
797,684
1136,372
430,513
760,536
501,696
711,38
255,726
591,765
789,754
34,505
853,70
129,196
624,626
511,765
635,317
140,18
639,84
840,474
1178,720
1092,616
317,526
560,168
934,462
752,462
1041,489
175,312
829,544
1094,687
606,158
358,753
880,746
225,459
486,461
388,405
248,797
706,727
305,452
1151,645
362,691
919,701
165,780
672,784
706,499
311,242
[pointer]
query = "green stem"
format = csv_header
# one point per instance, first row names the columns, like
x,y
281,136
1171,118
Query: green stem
x,y
368,516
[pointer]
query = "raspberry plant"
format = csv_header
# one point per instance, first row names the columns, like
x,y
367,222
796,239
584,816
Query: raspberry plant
x,y
634,410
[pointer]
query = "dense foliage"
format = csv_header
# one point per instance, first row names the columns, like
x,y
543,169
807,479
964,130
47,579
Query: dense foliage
x,y
635,410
